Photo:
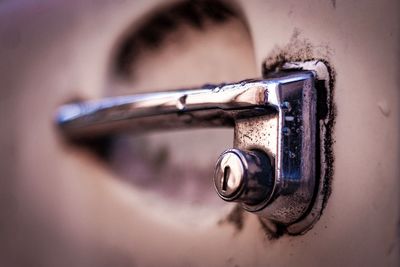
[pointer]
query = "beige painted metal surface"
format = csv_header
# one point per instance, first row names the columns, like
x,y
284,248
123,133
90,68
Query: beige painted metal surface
x,y
63,207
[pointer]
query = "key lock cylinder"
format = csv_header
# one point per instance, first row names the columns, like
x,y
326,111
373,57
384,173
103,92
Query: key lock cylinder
x,y
271,171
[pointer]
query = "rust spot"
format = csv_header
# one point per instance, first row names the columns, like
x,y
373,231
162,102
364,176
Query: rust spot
x,y
277,232
298,49
235,217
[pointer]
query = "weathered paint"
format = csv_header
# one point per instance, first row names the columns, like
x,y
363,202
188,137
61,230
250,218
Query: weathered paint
x,y
62,207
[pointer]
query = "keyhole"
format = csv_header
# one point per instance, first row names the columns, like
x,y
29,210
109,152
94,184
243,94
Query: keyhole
x,y
227,172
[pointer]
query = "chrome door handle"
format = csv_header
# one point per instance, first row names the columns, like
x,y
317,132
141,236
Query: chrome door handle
x,y
208,106
272,169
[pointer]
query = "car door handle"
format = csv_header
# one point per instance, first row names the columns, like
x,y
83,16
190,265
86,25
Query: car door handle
x,y
271,171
